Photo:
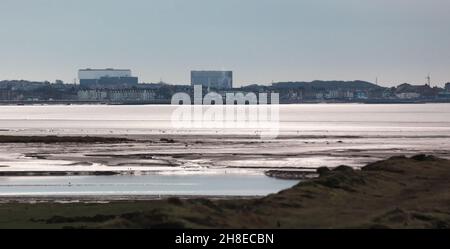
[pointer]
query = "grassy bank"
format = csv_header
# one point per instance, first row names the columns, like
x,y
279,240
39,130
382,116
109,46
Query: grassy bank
x,y
396,193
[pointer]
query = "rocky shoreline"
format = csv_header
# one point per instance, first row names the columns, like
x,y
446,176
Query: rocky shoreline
x,y
291,174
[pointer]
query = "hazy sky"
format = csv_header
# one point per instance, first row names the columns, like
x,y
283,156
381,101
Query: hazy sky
x,y
260,40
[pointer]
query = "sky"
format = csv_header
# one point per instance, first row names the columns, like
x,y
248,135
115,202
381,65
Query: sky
x,y
262,41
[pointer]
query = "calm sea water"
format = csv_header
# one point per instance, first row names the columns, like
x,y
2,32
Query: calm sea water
x,y
211,185
347,119
377,129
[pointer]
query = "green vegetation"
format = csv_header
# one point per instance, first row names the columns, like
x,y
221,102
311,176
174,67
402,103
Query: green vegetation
x,y
396,193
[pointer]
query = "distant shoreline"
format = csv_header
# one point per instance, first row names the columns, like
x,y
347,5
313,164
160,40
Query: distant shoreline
x,y
167,102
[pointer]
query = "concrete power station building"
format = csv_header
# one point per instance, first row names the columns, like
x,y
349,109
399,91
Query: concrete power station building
x,y
106,78
213,79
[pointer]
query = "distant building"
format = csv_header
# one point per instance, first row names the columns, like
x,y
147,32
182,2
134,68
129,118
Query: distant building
x,y
333,94
132,95
361,95
408,95
349,94
212,79
117,95
424,91
320,95
447,87
106,78
92,95
6,94
339,94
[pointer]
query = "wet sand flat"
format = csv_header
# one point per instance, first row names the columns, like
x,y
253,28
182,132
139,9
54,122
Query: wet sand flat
x,y
210,154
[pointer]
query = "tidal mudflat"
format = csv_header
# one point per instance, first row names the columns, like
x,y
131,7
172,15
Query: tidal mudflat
x,y
72,141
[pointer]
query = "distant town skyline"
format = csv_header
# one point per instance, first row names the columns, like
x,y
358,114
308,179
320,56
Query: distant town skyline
x,y
261,41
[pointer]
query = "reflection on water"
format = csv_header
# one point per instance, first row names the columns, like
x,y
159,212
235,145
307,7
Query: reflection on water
x,y
309,118
212,185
